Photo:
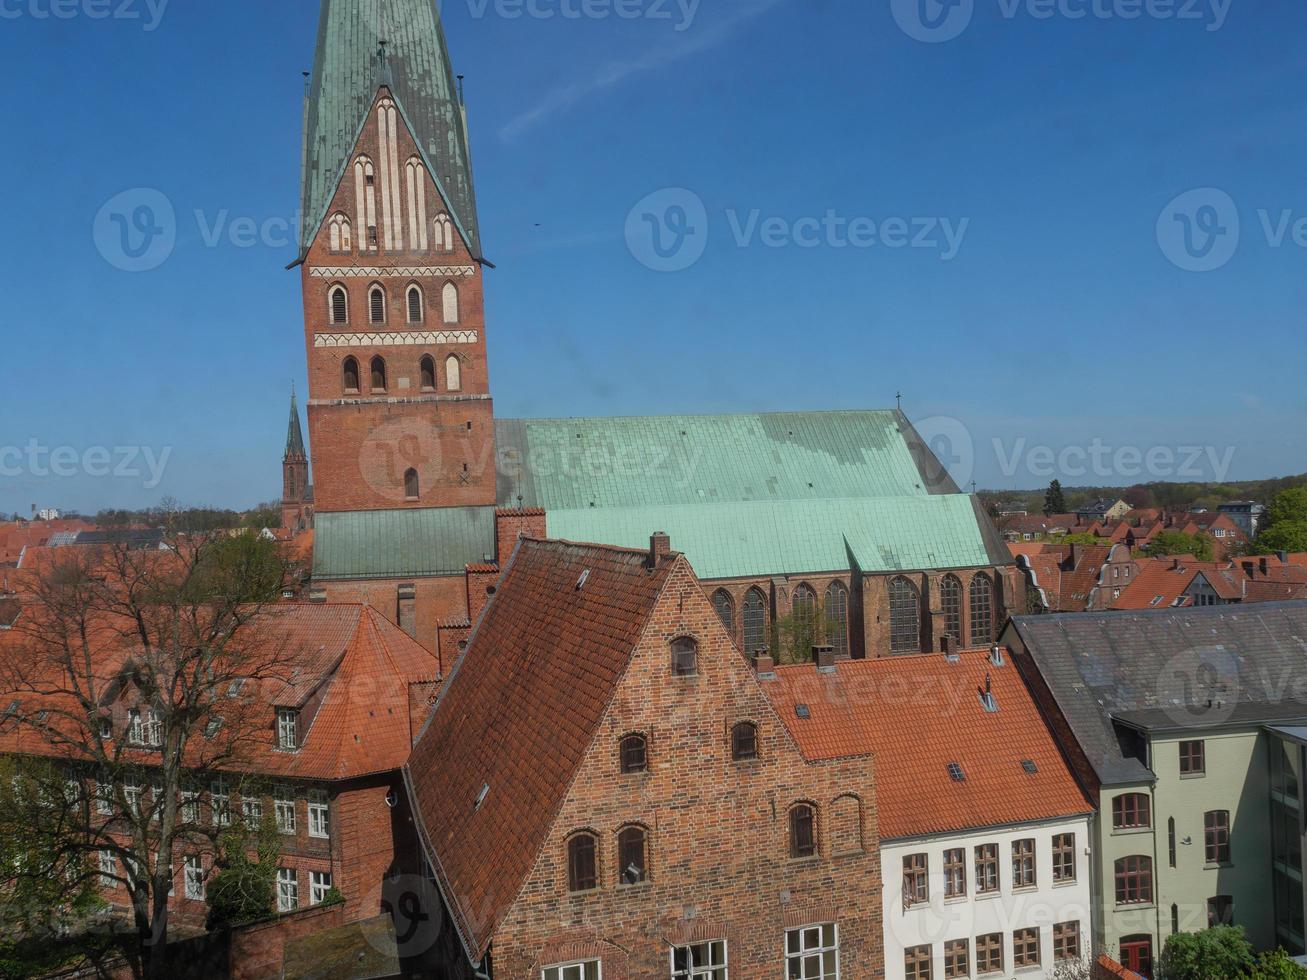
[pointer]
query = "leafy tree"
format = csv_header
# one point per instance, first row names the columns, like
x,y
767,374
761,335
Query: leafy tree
x,y
1080,538
794,636
1285,536
1288,506
244,888
166,634
1219,953
265,515
1178,543
1055,499
1138,497
1277,966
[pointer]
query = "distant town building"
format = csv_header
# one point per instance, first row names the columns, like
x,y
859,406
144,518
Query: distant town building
x,y
1247,514
48,514
1103,510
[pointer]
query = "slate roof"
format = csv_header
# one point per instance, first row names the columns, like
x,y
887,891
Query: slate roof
x,y
518,714
917,715
347,72
1098,665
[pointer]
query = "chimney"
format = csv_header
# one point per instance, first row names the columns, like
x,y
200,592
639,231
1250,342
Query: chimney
x,y
824,658
660,546
480,584
950,647
764,665
317,595
514,523
407,601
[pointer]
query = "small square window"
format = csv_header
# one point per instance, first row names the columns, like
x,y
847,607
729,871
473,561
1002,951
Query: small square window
x,y
1193,758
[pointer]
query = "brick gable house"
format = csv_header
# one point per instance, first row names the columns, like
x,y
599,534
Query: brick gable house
x,y
604,786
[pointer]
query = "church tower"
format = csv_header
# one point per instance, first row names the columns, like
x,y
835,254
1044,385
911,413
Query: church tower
x,y
296,493
400,414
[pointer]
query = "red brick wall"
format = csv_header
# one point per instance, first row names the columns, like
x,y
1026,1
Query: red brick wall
x,y
718,829
437,599
362,444
372,840
257,951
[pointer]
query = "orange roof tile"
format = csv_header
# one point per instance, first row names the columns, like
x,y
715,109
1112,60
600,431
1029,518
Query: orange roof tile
x,y
920,714
518,714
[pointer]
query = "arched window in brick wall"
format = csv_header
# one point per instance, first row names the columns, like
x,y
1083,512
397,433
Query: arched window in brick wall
x,y
582,863
415,175
449,300
412,489
837,618
950,598
376,304
803,609
725,606
341,234
982,610
444,233
846,825
632,855
904,616
338,305
351,373
803,831
378,374
755,621
365,201
427,369
415,308
453,373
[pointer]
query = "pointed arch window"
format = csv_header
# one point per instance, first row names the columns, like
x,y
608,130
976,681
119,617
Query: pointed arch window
x,y
415,177
837,618
428,371
341,234
449,300
453,373
377,304
378,374
444,233
365,200
351,372
950,598
982,610
338,305
725,606
755,621
904,616
412,489
804,609
415,305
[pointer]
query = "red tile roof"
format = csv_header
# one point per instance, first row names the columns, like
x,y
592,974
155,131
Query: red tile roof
x,y
1068,574
1106,967
518,714
920,714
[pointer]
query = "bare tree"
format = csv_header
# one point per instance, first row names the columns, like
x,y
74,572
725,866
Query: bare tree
x,y
142,672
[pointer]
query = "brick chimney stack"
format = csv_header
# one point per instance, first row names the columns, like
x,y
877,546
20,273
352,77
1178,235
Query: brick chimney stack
x,y
660,546
824,658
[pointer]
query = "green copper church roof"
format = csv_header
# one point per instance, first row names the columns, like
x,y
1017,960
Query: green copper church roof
x,y
564,464
741,495
794,537
348,70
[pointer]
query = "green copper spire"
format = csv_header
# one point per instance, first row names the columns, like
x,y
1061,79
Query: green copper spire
x,y
351,64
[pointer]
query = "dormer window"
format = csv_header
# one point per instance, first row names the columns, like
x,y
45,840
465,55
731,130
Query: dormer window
x,y
288,720
145,729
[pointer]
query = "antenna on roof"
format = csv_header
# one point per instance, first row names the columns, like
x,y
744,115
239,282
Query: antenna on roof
x,y
898,397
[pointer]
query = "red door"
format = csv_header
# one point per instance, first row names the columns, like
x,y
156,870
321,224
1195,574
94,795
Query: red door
x,y
1137,954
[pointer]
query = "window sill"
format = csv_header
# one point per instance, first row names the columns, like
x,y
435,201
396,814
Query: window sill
x,y
916,906
800,861
1134,907
1066,883
1217,865
635,887
1025,889
1193,775
1131,831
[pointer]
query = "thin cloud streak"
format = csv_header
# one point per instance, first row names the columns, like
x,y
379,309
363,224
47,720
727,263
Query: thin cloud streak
x,y
563,98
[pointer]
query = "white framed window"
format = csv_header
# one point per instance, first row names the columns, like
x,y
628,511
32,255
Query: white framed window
x,y
319,814
194,875
287,729
191,805
108,870
220,802
252,810
700,961
145,729
103,797
813,953
580,970
283,801
319,885
288,890
132,793
106,728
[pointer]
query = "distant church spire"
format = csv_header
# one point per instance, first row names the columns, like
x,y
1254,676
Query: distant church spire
x,y
294,434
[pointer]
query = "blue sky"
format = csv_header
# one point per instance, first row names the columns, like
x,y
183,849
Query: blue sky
x,y
1053,146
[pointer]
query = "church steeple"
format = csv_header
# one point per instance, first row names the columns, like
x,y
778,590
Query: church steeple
x,y
294,434
363,45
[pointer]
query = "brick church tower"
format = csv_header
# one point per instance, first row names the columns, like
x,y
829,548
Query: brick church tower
x,y
400,414
296,491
